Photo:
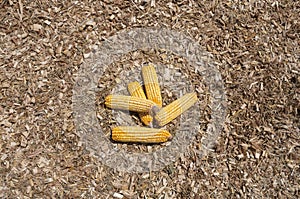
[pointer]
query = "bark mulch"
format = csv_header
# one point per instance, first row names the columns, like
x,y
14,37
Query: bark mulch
x,y
255,45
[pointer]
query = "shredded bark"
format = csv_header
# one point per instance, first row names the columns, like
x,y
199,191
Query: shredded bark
x,y
255,46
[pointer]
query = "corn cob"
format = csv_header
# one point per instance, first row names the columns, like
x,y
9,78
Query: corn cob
x,y
129,103
140,134
173,110
136,90
151,84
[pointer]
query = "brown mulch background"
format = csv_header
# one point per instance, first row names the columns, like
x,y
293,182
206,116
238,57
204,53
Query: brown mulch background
x,y
44,43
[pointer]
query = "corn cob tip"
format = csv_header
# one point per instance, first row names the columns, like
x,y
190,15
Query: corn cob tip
x,y
169,135
154,110
108,99
146,119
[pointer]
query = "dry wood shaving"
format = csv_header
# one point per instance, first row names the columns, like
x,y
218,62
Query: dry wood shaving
x,y
255,45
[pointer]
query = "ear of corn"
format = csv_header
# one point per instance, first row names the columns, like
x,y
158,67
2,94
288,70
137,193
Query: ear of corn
x,y
130,103
151,84
173,110
140,134
136,90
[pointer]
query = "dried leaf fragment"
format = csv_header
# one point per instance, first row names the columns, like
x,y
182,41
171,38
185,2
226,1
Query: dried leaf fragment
x,y
36,27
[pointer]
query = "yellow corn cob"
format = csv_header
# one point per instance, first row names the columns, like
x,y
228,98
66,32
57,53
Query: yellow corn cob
x,y
136,90
173,110
140,134
129,103
151,84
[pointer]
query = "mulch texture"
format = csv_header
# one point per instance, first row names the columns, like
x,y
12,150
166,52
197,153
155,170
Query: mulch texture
x,y
256,46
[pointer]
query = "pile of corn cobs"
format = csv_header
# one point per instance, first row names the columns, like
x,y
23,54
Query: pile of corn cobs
x,y
149,108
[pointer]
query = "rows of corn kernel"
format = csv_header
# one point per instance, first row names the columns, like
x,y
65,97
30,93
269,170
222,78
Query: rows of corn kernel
x,y
149,108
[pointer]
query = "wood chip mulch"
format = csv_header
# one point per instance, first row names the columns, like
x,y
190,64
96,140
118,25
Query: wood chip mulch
x,y
255,44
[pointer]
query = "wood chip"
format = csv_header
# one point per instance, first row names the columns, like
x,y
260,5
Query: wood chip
x,y
254,45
